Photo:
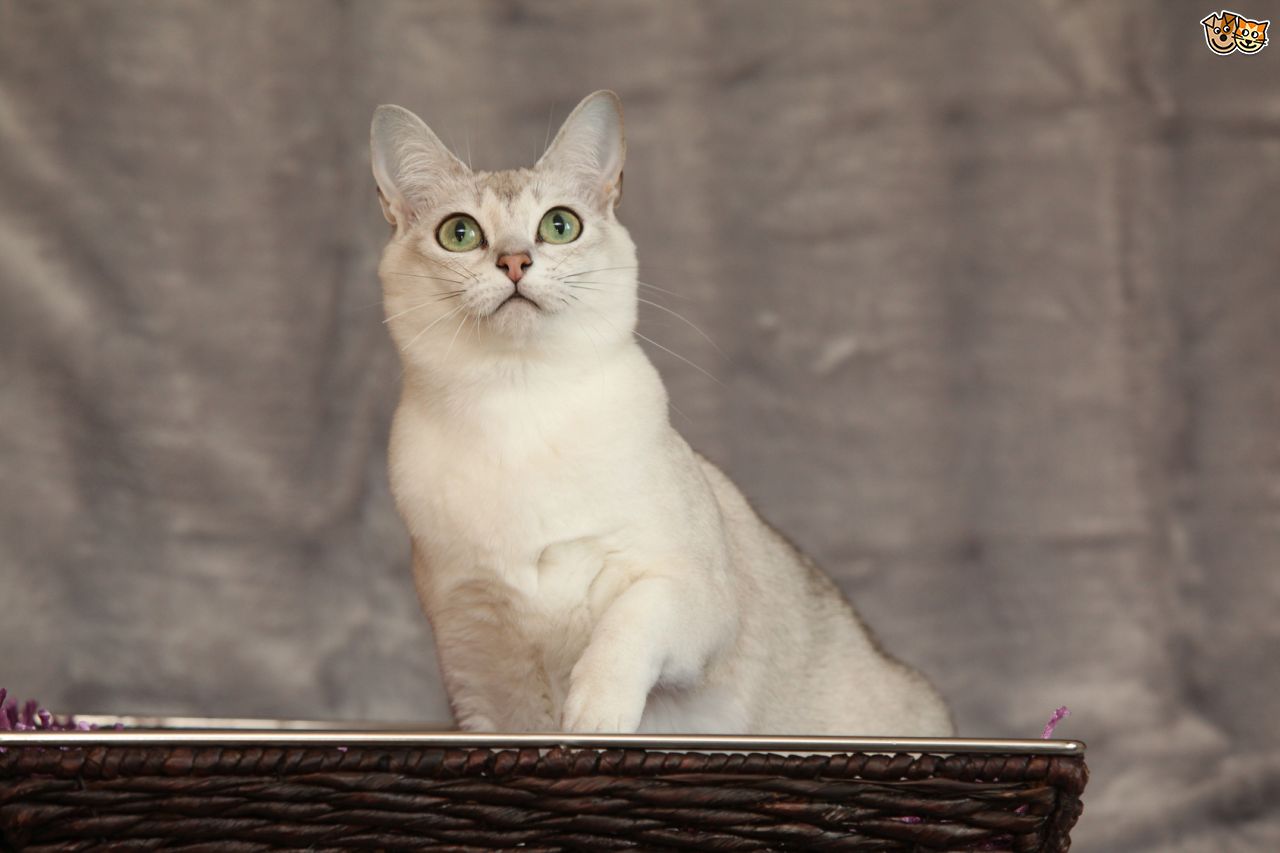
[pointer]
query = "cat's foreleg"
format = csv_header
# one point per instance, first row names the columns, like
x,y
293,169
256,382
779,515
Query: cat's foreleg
x,y
652,631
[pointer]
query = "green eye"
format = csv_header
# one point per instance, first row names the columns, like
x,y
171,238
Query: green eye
x,y
459,233
559,225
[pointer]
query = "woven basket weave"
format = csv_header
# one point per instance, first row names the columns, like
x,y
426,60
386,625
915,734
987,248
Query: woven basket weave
x,y
252,791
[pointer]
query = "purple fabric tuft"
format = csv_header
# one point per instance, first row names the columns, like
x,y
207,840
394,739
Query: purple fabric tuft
x,y
30,717
1058,716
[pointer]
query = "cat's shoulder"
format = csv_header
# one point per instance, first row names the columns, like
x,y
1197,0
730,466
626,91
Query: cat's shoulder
x,y
729,493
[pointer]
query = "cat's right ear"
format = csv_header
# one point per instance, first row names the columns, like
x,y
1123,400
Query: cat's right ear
x,y
409,162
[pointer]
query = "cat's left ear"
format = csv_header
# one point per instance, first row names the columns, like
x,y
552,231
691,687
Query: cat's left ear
x,y
590,146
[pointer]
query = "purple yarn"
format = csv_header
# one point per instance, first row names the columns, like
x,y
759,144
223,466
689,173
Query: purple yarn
x,y
1058,716
30,717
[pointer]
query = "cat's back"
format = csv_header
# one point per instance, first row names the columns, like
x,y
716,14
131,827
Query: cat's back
x,y
815,665
747,529
772,571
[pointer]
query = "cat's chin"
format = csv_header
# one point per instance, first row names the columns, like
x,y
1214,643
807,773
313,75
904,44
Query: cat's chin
x,y
516,319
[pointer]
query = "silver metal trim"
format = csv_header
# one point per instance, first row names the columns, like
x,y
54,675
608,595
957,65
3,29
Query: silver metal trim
x,y
198,737
166,723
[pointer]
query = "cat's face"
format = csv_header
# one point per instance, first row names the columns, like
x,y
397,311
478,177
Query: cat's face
x,y
1220,32
1251,36
526,263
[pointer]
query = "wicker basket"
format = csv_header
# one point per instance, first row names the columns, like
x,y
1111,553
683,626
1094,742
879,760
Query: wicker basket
x,y
235,789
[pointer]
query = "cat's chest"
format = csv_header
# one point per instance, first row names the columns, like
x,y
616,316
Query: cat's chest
x,y
499,499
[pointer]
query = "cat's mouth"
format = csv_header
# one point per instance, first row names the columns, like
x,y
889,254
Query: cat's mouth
x,y
515,297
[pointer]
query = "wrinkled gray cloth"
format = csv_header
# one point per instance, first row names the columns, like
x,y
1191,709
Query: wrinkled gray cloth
x,y
996,287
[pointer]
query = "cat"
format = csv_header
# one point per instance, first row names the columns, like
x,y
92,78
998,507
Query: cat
x,y
583,569
1251,36
1220,32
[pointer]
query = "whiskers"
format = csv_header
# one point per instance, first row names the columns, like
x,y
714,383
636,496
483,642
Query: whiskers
x,y
431,325
452,294
461,277
421,275
583,287
672,352
449,265
575,281
686,320
453,340
575,275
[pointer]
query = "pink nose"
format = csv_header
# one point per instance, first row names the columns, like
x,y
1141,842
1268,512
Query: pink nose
x,y
515,265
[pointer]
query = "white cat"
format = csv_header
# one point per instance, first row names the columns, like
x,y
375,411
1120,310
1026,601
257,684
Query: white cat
x,y
583,569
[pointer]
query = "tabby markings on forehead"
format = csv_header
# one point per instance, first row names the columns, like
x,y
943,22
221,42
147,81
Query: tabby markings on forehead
x,y
506,185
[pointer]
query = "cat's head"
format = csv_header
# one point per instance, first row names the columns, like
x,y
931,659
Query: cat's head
x,y
1220,32
523,263
1251,36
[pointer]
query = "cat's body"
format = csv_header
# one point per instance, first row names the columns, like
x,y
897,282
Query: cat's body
x,y
582,567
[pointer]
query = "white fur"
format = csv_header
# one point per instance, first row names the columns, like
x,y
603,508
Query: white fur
x,y
583,569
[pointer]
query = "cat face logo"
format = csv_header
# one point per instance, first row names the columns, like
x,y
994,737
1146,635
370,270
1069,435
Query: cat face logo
x,y
1226,32
1251,36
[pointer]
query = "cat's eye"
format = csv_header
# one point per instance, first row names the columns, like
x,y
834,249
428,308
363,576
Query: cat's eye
x,y
559,225
459,233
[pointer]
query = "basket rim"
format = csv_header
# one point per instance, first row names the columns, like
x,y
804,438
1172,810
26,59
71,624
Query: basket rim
x,y
199,732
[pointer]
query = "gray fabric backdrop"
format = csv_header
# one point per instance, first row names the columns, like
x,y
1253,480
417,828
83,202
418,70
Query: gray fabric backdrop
x,y
996,286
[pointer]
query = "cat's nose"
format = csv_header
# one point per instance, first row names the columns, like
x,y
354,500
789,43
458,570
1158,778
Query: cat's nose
x,y
515,265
